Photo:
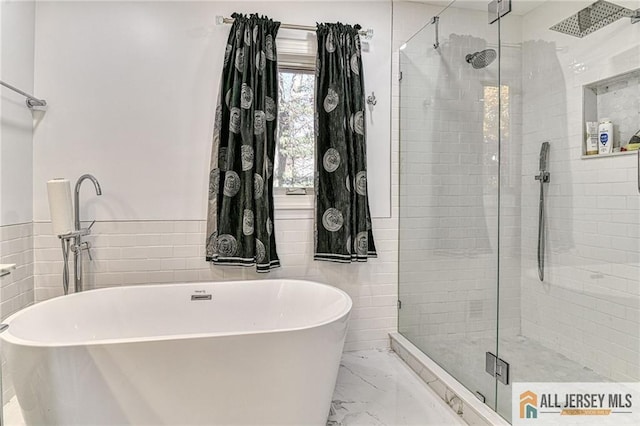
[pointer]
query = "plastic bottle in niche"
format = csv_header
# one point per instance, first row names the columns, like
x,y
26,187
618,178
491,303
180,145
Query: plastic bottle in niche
x,y
605,134
593,138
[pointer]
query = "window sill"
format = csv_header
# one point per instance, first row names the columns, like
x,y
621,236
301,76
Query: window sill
x,y
293,206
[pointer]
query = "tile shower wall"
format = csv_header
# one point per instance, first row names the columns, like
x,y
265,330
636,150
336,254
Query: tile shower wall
x,y
588,308
449,214
620,101
156,252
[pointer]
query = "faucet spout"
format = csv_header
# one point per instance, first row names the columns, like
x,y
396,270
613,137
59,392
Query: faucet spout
x,y
76,199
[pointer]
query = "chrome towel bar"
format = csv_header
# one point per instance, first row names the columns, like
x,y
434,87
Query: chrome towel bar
x,y
32,101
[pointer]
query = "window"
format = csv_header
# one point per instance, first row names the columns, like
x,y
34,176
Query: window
x,y
294,165
295,144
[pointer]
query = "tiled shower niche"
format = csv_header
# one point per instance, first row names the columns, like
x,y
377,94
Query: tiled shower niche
x,y
617,98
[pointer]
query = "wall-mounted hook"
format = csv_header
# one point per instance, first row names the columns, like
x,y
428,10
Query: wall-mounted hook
x,y
371,99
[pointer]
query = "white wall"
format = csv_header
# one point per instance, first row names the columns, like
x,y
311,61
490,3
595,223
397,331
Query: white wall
x,y
17,20
16,122
132,101
132,88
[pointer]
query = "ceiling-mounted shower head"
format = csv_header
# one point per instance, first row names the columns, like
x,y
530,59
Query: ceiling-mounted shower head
x,y
592,18
481,59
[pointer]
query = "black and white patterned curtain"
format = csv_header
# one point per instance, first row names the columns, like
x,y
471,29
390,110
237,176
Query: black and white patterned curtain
x,y
240,216
343,220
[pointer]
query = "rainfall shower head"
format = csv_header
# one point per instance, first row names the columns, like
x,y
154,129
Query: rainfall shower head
x,y
481,59
593,17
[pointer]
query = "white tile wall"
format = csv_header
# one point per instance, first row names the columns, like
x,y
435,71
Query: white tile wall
x,y
448,251
449,194
588,308
620,101
154,252
16,246
16,289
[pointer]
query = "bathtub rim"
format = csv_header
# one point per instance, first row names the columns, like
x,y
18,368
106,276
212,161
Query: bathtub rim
x,y
10,338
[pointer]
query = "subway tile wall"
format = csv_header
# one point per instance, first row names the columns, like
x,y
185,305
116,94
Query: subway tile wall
x,y
157,252
449,194
17,288
588,307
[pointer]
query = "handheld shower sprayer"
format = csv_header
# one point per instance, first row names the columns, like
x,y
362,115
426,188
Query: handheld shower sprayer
x,y
544,158
544,177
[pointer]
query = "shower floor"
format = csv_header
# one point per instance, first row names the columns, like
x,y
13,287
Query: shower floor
x,y
529,361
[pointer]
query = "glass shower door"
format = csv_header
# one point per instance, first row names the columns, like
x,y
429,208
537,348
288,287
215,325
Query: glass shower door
x,y
449,182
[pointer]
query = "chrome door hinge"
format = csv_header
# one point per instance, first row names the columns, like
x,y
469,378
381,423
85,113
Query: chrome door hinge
x,y
497,368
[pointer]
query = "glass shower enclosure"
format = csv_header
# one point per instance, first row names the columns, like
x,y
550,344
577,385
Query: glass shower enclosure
x,y
513,242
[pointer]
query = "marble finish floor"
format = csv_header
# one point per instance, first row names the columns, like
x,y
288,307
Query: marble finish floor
x,y
464,359
375,387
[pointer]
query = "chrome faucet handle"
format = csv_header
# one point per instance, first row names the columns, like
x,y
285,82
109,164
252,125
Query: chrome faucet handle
x,y
86,245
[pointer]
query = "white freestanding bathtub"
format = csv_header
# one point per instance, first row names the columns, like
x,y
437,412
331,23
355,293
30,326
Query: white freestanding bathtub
x,y
254,353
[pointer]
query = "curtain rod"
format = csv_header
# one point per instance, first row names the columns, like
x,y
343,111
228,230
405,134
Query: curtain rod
x,y
32,101
368,33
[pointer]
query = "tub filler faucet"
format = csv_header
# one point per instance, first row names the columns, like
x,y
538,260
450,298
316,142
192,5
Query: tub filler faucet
x,y
73,240
79,245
